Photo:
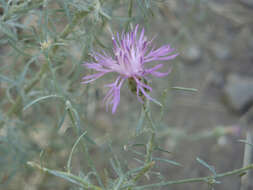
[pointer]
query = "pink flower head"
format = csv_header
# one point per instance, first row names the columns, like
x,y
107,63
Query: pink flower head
x,y
130,53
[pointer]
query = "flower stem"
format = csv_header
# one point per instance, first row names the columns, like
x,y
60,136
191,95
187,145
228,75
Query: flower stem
x,y
148,162
147,167
146,107
150,147
207,179
71,111
71,177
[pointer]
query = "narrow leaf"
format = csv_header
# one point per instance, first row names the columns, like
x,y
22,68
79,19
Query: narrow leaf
x,y
167,161
211,168
72,151
62,119
185,89
42,98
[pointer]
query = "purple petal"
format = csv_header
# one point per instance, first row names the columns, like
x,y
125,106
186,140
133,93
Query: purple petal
x,y
141,36
161,58
108,95
142,84
96,67
153,68
113,95
135,31
154,54
160,74
144,92
92,77
116,100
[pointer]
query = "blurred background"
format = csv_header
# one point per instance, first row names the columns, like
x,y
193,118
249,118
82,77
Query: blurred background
x,y
214,40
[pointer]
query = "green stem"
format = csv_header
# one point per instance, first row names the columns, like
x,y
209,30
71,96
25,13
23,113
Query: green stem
x,y
146,106
206,179
67,175
147,167
148,162
150,147
130,9
83,144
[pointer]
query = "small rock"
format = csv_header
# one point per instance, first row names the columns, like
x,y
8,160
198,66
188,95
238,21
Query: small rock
x,y
192,53
215,79
220,51
247,2
239,92
222,141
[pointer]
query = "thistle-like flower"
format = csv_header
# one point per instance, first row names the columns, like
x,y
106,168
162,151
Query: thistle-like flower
x,y
130,53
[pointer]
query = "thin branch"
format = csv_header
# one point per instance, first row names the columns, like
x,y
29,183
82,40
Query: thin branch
x,y
150,147
144,170
85,149
74,179
246,160
207,179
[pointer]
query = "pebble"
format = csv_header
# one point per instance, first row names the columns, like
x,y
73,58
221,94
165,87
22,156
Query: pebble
x,y
239,92
192,53
247,2
220,51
